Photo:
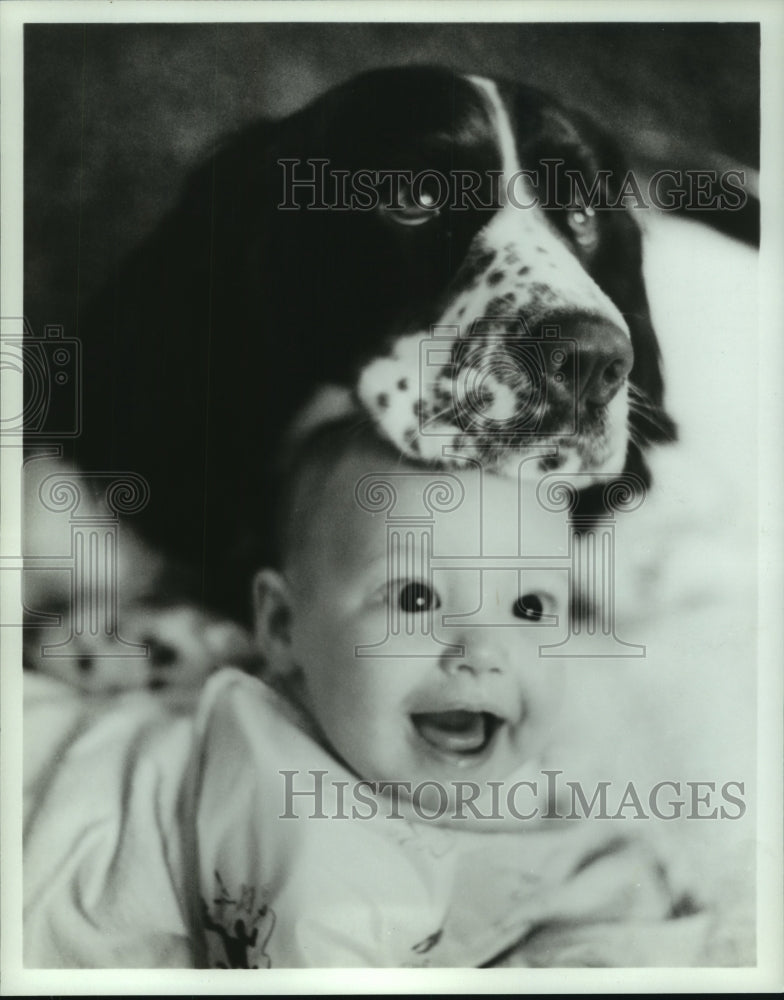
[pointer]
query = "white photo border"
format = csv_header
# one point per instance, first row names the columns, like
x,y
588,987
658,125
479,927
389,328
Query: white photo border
x,y
767,976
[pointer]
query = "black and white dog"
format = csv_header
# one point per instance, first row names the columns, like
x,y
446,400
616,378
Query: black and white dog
x,y
426,248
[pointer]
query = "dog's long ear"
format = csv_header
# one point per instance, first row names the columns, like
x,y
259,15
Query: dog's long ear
x,y
152,335
616,266
615,262
554,133
172,348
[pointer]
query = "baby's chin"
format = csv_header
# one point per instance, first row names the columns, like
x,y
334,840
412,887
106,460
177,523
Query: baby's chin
x,y
471,767
490,787
479,799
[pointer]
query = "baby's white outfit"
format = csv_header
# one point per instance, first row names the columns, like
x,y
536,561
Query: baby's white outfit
x,y
162,839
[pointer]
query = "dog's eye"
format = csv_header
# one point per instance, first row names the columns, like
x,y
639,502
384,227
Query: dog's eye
x,y
529,607
582,223
416,204
413,598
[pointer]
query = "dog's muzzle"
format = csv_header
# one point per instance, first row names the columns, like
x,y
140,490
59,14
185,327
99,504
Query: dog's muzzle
x,y
528,353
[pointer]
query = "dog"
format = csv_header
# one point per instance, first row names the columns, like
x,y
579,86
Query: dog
x,y
426,249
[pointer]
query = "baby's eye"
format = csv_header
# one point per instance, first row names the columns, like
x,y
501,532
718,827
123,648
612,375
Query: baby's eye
x,y
414,597
529,607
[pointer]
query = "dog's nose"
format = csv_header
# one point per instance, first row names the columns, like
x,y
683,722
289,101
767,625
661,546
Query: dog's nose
x,y
604,359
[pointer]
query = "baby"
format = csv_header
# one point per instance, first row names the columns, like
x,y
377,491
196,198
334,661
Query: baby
x,y
389,794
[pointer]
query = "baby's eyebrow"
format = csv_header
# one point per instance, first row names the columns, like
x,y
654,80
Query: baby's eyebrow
x,y
372,564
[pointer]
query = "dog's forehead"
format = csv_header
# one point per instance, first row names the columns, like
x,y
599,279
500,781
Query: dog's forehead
x,y
422,109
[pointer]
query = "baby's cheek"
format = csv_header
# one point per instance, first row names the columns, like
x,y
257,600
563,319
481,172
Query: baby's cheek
x,y
364,639
543,677
554,681
354,730
544,700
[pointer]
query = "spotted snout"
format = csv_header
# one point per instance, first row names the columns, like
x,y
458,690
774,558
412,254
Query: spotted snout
x,y
529,352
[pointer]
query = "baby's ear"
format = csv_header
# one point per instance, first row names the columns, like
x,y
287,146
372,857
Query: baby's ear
x,y
272,614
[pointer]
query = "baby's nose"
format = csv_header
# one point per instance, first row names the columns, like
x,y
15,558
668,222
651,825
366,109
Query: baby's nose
x,y
480,655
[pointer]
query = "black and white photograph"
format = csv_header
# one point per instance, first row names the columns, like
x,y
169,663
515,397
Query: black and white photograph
x,y
391,562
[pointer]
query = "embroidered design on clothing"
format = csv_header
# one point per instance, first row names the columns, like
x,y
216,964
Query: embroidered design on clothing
x,y
237,927
429,942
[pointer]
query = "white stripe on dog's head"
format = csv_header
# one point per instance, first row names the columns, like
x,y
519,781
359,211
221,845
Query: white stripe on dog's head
x,y
510,162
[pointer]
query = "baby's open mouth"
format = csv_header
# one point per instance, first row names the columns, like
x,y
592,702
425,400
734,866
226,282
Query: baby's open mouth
x,y
457,730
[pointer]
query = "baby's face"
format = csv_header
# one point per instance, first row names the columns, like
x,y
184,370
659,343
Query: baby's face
x,y
460,692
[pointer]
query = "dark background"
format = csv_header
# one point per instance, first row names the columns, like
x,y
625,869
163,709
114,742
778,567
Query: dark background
x,y
116,114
